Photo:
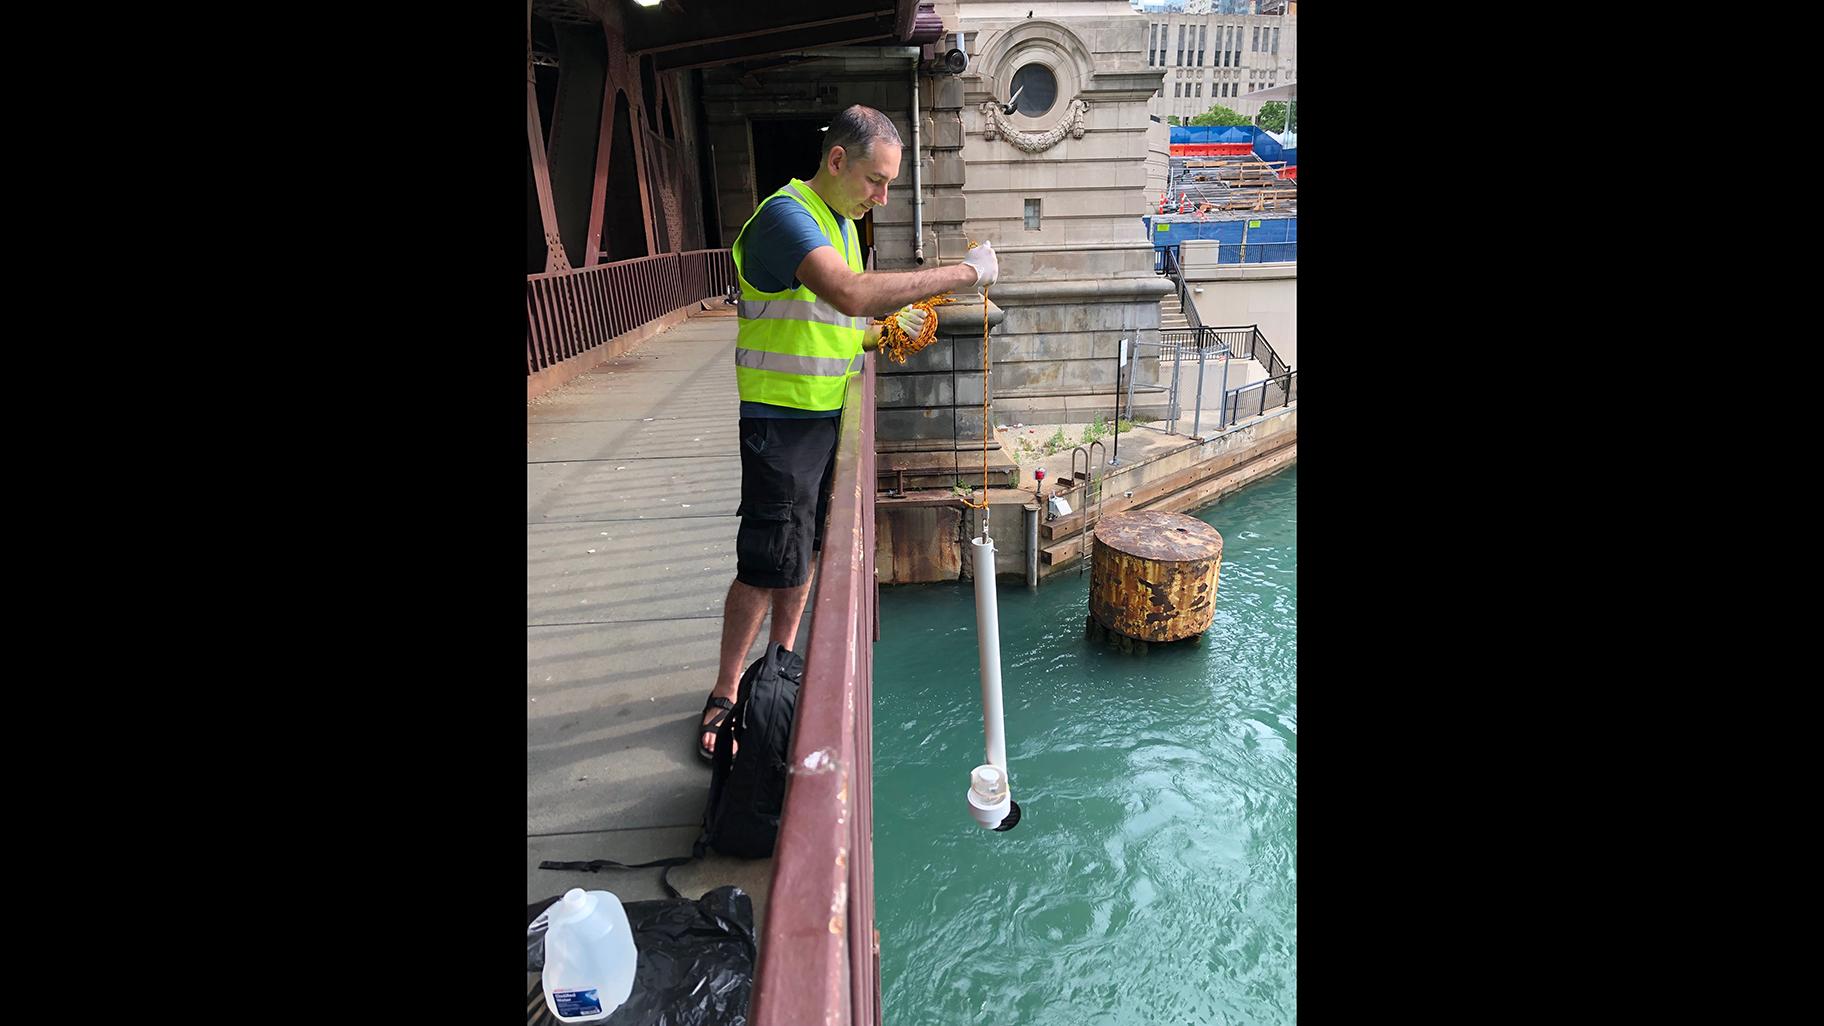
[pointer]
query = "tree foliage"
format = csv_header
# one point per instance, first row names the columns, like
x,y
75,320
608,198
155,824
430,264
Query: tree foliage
x,y
1220,115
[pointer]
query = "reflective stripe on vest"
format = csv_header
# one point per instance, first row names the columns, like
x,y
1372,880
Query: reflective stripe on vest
x,y
816,311
786,363
792,348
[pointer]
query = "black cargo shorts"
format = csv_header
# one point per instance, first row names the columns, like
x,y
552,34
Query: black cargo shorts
x,y
787,466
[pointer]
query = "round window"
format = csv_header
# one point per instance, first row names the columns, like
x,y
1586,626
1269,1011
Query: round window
x,y
1035,88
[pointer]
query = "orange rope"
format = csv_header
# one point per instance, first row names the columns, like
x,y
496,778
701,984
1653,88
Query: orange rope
x,y
893,340
895,344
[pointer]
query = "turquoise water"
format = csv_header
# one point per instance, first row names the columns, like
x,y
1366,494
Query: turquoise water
x,y
1153,878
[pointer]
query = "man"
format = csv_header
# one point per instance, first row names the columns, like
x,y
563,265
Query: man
x,y
802,328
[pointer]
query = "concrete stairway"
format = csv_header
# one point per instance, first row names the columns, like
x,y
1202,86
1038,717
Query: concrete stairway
x,y
1171,313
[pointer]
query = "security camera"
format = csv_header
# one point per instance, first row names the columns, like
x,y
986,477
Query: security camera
x,y
953,63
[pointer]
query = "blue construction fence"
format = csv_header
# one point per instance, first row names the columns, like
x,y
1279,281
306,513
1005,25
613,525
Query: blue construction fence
x,y
1266,149
1264,146
1184,134
1269,239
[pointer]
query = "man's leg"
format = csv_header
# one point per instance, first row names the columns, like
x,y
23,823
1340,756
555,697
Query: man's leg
x,y
788,609
770,547
742,612
788,603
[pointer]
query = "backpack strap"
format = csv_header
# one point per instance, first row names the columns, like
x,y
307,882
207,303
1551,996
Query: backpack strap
x,y
720,765
597,865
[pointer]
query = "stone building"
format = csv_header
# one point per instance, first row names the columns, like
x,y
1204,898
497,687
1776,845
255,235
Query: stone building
x,y
1056,141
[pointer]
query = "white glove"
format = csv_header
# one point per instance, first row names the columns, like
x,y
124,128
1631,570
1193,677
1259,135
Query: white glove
x,y
911,320
987,268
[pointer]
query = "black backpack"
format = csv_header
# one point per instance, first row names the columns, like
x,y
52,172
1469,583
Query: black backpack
x,y
746,790
746,793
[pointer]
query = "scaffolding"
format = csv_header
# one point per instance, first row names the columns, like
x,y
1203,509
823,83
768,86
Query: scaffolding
x,y
1213,186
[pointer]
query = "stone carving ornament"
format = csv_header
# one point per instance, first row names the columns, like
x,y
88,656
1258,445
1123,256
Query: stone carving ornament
x,y
1036,142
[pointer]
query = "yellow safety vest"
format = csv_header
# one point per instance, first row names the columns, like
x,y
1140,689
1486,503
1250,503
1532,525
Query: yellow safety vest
x,y
791,348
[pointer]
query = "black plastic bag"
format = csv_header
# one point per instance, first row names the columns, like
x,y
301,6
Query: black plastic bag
x,y
696,964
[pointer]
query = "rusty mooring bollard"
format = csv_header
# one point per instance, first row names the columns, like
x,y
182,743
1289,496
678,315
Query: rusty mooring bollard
x,y
1153,576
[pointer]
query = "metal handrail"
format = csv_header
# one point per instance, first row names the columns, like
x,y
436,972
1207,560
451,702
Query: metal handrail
x,y
1232,399
1175,272
1091,483
1257,252
571,312
818,958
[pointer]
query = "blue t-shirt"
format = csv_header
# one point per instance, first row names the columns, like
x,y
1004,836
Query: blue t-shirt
x,y
776,243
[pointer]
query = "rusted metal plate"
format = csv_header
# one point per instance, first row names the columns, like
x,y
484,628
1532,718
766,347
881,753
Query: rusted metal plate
x,y
1154,575
918,544
1154,535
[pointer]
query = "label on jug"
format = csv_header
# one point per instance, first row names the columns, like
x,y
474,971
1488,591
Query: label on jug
x,y
576,1002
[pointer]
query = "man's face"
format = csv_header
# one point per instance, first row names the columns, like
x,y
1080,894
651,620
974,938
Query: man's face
x,y
861,182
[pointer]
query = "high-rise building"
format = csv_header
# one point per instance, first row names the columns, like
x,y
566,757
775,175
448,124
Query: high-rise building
x,y
1219,58
1211,6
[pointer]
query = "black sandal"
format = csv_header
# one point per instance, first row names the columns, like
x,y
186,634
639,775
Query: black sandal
x,y
708,726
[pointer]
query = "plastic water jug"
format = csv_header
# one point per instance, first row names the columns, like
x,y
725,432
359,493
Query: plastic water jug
x,y
589,956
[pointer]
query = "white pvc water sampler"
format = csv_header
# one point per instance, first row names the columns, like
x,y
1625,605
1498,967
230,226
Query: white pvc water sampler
x,y
990,794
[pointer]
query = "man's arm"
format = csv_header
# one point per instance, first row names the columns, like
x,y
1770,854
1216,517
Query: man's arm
x,y
876,293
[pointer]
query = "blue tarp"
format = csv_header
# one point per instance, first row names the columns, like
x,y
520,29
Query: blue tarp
x,y
1266,149
1275,240
1264,146
1182,134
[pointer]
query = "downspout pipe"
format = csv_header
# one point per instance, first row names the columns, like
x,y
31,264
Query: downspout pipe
x,y
918,189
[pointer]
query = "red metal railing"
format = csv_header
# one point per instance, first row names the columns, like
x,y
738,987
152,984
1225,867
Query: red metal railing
x,y
571,312
706,272
819,961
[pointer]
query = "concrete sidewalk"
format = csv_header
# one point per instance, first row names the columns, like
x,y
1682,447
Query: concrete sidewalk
x,y
632,480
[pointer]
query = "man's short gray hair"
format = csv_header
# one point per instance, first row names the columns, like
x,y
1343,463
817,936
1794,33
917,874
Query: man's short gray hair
x,y
857,129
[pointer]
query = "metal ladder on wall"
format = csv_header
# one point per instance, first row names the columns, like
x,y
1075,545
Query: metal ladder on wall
x,y
1092,491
